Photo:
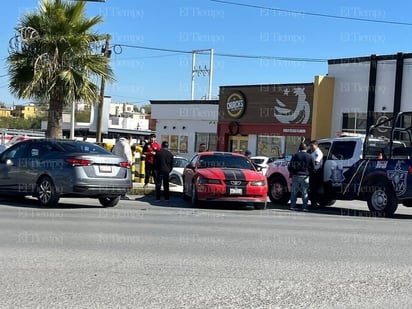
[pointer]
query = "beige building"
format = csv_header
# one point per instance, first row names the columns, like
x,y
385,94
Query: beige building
x,y
25,111
5,112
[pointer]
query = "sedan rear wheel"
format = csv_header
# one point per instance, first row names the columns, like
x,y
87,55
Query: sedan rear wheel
x,y
46,192
109,201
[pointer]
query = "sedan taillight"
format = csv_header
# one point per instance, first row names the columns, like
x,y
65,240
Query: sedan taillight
x,y
125,164
78,162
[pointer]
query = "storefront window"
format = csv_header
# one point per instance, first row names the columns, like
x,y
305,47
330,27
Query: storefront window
x,y
292,143
164,138
210,139
270,146
354,122
183,144
173,143
177,144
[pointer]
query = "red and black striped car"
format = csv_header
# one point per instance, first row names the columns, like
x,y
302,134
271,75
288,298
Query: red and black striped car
x,y
224,177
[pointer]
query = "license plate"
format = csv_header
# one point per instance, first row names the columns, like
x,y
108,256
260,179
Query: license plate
x,y
105,169
235,191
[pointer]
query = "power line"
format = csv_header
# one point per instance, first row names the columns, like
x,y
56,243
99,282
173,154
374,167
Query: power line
x,y
117,48
315,14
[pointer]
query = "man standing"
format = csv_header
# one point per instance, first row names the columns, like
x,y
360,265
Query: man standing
x,y
149,150
316,178
300,167
316,154
163,164
122,149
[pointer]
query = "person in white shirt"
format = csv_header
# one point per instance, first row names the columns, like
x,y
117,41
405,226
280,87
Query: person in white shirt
x,y
316,154
122,149
316,177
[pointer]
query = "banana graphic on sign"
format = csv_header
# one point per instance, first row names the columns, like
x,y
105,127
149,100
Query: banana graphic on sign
x,y
301,114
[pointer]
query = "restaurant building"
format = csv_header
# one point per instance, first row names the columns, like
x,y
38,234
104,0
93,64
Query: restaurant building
x,y
271,120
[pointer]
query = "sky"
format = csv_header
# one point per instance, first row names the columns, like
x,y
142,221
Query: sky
x,y
254,42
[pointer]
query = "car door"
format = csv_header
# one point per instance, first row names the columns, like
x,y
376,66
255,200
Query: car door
x,y
13,169
188,174
340,158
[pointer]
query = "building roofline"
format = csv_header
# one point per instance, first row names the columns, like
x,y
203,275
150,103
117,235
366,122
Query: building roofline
x,y
171,102
368,58
268,85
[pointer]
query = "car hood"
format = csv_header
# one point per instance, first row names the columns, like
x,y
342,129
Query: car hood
x,y
230,173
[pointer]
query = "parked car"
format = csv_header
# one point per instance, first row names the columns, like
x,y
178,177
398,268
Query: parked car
x,y
176,175
52,168
262,162
13,140
224,177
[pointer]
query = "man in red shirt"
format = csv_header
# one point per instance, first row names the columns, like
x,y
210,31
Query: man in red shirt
x,y
149,150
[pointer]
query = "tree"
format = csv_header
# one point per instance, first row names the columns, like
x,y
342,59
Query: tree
x,y
52,59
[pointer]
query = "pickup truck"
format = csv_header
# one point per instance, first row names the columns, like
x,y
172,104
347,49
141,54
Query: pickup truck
x,y
375,167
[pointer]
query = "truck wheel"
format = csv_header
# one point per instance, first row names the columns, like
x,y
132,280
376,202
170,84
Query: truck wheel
x,y
278,190
382,201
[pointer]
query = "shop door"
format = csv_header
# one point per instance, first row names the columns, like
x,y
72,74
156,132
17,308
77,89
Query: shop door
x,y
238,144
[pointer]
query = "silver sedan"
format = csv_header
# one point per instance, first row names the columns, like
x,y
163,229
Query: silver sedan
x,y
52,168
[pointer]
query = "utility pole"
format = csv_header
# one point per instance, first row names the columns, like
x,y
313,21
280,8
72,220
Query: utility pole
x,y
106,53
202,72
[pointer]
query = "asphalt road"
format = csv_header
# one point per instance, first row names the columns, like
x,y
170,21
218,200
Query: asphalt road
x,y
142,254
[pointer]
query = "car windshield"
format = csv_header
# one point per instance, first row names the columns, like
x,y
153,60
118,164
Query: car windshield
x,y
180,162
225,161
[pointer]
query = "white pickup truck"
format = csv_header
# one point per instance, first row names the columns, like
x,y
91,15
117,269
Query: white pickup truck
x,y
357,167
346,150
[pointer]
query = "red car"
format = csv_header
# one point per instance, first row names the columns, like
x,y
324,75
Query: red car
x,y
224,177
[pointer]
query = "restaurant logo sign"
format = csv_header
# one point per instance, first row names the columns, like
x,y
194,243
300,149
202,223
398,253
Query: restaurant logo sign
x,y
297,114
236,105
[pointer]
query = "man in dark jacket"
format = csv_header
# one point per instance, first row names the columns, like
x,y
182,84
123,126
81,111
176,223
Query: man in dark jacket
x,y
163,165
300,167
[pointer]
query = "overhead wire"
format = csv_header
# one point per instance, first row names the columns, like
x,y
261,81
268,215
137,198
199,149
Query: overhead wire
x,y
315,14
118,49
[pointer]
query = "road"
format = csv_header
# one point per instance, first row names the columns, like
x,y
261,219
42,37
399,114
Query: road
x,y
143,254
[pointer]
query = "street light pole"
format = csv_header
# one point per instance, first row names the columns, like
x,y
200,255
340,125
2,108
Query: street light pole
x,y
106,53
73,112
72,123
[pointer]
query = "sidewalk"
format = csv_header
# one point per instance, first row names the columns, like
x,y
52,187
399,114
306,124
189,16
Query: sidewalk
x,y
149,189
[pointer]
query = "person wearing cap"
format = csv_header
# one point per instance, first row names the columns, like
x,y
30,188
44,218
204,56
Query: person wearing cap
x,y
248,154
149,150
163,165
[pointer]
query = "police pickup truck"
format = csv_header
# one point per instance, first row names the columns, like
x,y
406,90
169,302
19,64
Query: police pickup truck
x,y
376,168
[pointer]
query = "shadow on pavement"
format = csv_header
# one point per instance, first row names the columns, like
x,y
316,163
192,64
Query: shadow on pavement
x,y
340,211
30,202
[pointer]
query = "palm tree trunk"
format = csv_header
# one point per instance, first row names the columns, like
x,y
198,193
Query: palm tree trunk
x,y
55,120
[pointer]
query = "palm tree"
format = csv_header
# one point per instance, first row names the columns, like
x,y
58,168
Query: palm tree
x,y
52,59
